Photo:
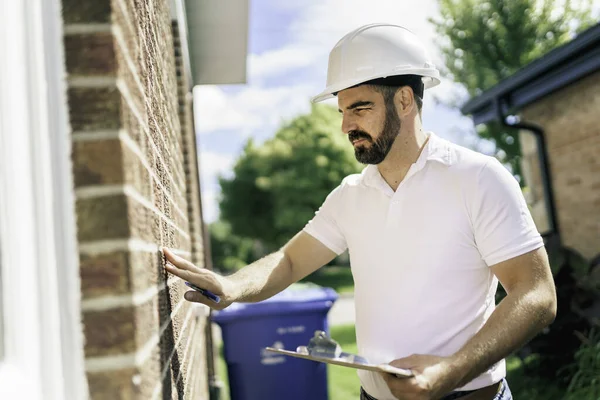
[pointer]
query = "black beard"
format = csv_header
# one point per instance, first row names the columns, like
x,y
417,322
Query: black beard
x,y
379,149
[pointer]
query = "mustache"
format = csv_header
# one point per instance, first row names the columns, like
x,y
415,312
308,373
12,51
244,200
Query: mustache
x,y
355,135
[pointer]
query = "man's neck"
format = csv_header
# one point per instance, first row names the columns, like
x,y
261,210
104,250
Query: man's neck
x,y
404,153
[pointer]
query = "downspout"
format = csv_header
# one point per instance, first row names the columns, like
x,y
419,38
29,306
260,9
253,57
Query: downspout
x,y
538,132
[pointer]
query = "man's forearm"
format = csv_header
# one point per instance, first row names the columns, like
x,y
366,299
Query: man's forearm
x,y
263,278
516,320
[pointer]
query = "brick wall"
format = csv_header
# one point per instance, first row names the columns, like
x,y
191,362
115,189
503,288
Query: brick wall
x,y
136,188
571,121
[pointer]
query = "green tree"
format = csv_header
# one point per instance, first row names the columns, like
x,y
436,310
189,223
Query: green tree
x,y
229,252
488,41
278,186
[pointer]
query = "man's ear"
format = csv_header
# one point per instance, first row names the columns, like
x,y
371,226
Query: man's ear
x,y
404,100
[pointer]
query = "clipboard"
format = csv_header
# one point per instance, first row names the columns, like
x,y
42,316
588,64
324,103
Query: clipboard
x,y
345,360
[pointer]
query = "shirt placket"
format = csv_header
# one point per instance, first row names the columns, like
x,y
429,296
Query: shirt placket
x,y
395,208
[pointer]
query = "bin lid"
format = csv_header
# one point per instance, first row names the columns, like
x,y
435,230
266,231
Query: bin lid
x,y
295,299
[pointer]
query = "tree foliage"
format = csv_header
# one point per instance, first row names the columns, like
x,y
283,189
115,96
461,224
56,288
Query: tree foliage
x,y
229,252
277,186
488,41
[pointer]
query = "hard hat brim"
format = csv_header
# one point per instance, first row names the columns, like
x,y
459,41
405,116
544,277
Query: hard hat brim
x,y
430,79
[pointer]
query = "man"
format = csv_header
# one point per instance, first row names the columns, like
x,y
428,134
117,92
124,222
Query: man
x,y
430,227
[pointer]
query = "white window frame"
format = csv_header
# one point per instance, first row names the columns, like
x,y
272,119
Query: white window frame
x,y
43,341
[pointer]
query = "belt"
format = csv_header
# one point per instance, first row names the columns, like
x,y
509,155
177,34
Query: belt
x,y
451,396
454,395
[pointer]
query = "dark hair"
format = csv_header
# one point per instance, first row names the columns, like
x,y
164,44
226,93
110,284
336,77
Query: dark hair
x,y
390,85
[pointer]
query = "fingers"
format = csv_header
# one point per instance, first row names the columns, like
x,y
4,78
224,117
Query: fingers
x,y
406,362
183,274
196,297
179,262
399,384
189,272
202,279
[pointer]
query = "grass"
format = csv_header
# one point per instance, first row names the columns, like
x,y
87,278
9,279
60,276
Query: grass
x,y
337,277
222,373
343,382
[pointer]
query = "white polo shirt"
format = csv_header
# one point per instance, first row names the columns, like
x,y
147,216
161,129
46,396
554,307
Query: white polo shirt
x,y
420,256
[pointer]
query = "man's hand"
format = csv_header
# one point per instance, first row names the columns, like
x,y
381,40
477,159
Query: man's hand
x,y
203,278
432,378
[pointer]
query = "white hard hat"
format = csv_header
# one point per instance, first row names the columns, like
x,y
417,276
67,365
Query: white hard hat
x,y
377,51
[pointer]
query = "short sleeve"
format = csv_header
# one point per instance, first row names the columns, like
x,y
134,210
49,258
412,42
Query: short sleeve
x,y
503,226
324,225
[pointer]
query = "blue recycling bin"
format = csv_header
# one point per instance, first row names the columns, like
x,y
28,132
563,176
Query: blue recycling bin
x,y
286,320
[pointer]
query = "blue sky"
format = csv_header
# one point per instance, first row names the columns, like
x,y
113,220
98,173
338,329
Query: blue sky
x,y
288,47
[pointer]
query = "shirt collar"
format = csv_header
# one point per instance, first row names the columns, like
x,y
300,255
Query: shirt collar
x,y
436,149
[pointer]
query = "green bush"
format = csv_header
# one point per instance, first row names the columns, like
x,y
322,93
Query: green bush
x,y
585,384
578,294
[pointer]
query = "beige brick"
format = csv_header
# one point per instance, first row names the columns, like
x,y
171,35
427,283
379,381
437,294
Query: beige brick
x,y
94,108
121,330
79,11
147,270
105,274
111,385
102,218
136,173
97,162
128,383
133,126
140,221
129,28
150,374
90,54
126,72
109,332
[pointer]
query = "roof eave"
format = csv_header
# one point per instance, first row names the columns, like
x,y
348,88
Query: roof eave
x,y
560,67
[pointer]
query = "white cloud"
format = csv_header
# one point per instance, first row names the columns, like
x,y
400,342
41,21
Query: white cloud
x,y
280,61
214,111
214,164
250,109
210,205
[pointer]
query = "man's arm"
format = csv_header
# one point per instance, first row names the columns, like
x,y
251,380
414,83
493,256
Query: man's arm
x,y
268,276
301,256
530,305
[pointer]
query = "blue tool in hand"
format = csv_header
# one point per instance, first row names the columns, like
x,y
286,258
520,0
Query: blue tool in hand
x,y
205,292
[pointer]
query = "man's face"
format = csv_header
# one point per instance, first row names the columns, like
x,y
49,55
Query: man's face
x,y
370,126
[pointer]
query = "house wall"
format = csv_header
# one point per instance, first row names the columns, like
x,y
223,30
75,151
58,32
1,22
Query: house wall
x,y
136,189
571,121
